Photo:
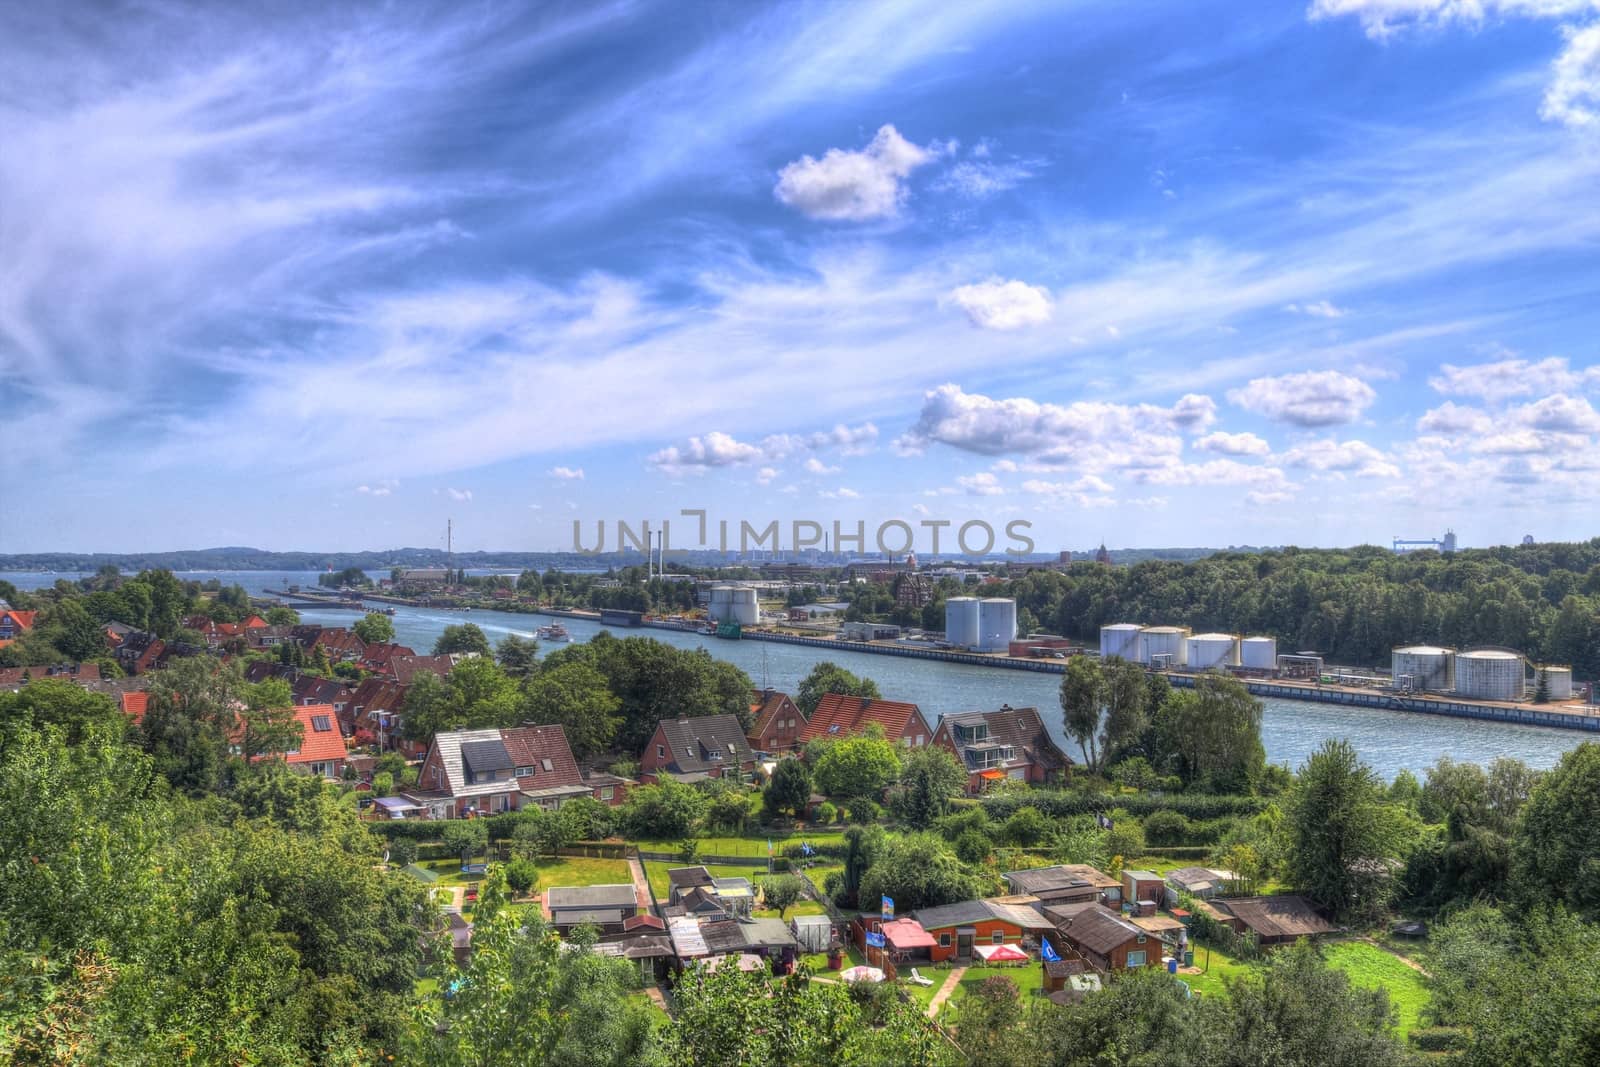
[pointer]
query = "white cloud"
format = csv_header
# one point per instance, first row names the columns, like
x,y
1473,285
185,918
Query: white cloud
x,y
922,509
1322,309
1212,472
1309,399
839,494
1453,418
1512,377
1341,457
383,488
1381,18
567,474
1560,414
816,466
765,475
715,449
982,484
1233,444
1003,305
1262,497
1573,97
853,186
981,180
459,494
1193,412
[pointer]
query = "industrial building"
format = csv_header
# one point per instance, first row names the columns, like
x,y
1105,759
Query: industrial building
x,y
1424,668
1120,639
1213,652
1557,680
734,603
1164,646
961,621
1491,674
997,624
1259,653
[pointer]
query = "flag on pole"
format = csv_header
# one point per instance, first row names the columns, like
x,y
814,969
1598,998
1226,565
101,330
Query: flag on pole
x,y
888,909
874,940
1048,952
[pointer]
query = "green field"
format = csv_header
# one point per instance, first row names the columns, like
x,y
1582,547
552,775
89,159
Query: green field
x,y
1217,966
1027,977
656,871
752,845
581,870
1370,967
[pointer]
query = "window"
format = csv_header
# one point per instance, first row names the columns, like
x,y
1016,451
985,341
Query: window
x,y
834,728
1136,959
1139,940
546,765
321,724
999,937
524,772
944,940
607,792
661,752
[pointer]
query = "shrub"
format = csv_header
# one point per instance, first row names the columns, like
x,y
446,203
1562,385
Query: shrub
x,y
522,875
1167,828
973,847
1027,827
1059,804
402,851
1438,1039
827,814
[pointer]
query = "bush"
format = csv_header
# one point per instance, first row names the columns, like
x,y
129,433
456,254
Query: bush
x,y
402,851
973,847
955,824
1060,804
827,814
864,810
1438,1039
522,875
1027,827
1167,828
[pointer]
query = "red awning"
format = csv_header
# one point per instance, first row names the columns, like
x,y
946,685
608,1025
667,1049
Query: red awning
x,y
907,934
991,775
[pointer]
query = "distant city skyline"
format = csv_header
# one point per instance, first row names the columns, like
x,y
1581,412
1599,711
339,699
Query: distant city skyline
x,y
1160,275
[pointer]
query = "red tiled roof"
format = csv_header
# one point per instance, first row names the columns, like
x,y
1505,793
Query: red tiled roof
x,y
528,746
318,745
23,619
838,716
406,668
134,705
765,705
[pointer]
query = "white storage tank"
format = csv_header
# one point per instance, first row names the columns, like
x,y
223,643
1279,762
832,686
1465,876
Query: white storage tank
x,y
1212,652
1120,639
1259,653
1169,643
997,623
961,621
1425,668
1558,680
1490,674
734,603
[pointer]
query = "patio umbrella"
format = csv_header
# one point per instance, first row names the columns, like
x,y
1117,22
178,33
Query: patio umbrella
x,y
861,974
1000,953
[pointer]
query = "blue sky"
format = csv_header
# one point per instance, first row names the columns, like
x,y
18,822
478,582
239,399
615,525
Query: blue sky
x,y
1154,274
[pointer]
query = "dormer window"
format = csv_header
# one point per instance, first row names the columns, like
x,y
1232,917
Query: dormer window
x,y
524,772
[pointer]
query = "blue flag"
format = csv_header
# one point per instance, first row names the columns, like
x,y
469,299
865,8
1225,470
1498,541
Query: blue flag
x,y
806,849
1050,955
874,940
888,908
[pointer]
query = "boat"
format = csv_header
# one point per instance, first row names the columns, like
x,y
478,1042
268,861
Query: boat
x,y
554,632
388,611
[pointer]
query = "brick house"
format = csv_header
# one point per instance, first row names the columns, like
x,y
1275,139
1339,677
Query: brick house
x,y
778,721
694,749
838,715
482,772
994,745
321,750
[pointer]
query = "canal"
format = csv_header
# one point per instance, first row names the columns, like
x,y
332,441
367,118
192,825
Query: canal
x,y
1291,729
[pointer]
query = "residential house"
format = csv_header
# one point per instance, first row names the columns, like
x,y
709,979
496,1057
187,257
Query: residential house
x,y
423,578
1108,941
1276,920
609,789
404,669
1068,883
376,656
14,623
692,750
838,715
268,637
995,745
481,772
321,750
140,652
956,928
778,721
134,705
697,892
340,645
376,706
14,678
607,907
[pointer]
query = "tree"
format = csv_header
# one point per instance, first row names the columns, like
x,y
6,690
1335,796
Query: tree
x,y
374,628
1126,704
990,1023
349,578
857,767
402,851
1556,855
827,678
465,837
663,811
463,638
920,871
48,702
476,694
782,892
1217,727
1347,839
517,656
1082,695
929,778
789,788
281,616
574,695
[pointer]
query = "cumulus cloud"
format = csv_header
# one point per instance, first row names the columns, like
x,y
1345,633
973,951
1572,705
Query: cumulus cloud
x,y
849,440
715,449
718,449
1086,434
1452,418
1309,399
1212,472
853,186
1193,412
765,475
1573,97
1560,414
839,494
1512,377
1088,491
1322,309
1342,457
383,488
1381,18
459,494
816,466
1003,305
982,484
567,474
1233,444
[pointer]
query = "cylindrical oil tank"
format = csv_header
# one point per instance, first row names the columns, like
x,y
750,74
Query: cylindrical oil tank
x,y
1120,639
1259,653
1425,668
1208,652
1490,674
997,623
1164,644
961,621
1558,680
734,603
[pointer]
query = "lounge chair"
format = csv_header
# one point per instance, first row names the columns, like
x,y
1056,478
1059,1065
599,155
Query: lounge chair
x,y
917,978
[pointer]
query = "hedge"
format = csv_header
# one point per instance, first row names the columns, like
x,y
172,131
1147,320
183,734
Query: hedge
x,y
1438,1039
1199,806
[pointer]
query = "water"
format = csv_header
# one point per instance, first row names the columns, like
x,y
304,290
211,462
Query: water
x,y
1291,729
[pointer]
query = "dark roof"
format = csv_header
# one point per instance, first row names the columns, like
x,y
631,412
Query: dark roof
x,y
481,756
963,914
1062,968
1277,918
700,901
597,916
705,742
1021,729
1099,931
1061,876
723,935
688,877
545,749
592,896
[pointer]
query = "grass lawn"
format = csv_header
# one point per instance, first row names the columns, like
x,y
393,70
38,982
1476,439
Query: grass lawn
x,y
819,873
581,870
1217,966
819,961
656,871
752,845
1370,967
800,907
1027,977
